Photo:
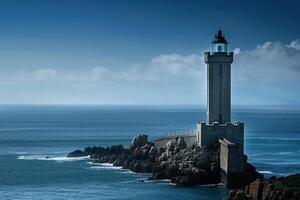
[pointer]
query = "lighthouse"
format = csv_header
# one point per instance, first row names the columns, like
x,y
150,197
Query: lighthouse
x,y
218,123
218,132
219,81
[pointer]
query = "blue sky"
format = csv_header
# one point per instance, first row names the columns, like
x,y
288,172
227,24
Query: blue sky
x,y
145,52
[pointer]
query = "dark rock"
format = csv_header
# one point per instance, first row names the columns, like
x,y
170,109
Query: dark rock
x,y
153,152
190,180
231,194
170,146
87,150
77,153
185,166
147,166
139,141
116,149
181,143
284,188
255,189
240,195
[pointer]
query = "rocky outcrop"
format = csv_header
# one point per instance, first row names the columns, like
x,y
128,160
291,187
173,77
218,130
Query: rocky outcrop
x,y
284,188
183,165
77,153
186,166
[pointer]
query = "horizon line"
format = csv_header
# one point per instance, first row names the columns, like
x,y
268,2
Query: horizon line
x,y
138,105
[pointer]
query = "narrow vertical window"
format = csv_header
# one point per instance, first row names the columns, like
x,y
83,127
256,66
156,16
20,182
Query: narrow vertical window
x,y
220,93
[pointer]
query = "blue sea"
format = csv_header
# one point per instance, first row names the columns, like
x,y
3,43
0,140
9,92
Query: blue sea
x,y
30,133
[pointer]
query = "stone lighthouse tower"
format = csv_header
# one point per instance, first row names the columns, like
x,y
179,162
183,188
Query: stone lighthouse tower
x,y
219,81
218,118
218,132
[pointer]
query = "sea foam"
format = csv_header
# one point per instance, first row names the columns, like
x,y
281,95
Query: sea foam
x,y
266,172
270,173
51,158
103,166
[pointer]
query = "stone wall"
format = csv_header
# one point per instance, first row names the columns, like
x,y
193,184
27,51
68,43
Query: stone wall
x,y
231,161
231,157
189,139
209,134
218,86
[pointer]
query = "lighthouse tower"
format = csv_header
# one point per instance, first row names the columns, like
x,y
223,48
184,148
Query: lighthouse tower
x,y
218,123
218,131
219,81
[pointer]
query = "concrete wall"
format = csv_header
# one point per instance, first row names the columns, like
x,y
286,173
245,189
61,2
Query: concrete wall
x,y
218,86
231,157
189,140
223,158
231,162
209,134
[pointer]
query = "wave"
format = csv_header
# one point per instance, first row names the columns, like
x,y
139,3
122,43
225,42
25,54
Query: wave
x,y
54,158
163,182
103,166
273,161
270,173
274,153
127,171
266,172
274,138
286,153
212,185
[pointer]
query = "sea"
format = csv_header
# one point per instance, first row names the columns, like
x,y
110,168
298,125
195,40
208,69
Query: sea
x,y
34,142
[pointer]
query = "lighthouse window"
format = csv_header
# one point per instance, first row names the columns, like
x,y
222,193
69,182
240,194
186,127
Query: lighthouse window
x,y
220,118
219,48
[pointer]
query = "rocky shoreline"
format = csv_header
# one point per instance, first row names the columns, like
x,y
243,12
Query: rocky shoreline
x,y
283,188
183,165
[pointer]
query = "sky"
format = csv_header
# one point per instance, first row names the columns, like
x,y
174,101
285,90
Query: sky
x,y
145,52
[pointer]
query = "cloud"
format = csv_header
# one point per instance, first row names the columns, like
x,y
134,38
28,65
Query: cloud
x,y
100,73
44,74
262,74
179,65
237,51
271,61
294,44
164,67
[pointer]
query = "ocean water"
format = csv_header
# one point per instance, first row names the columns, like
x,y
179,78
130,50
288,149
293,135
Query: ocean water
x,y
30,133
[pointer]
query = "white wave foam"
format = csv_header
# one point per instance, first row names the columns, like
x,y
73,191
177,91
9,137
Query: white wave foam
x,y
125,171
270,173
103,166
266,172
285,153
161,181
165,180
274,153
276,138
212,185
54,158
276,162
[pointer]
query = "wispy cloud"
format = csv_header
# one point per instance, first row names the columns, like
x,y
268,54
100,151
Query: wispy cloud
x,y
163,67
167,78
271,61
